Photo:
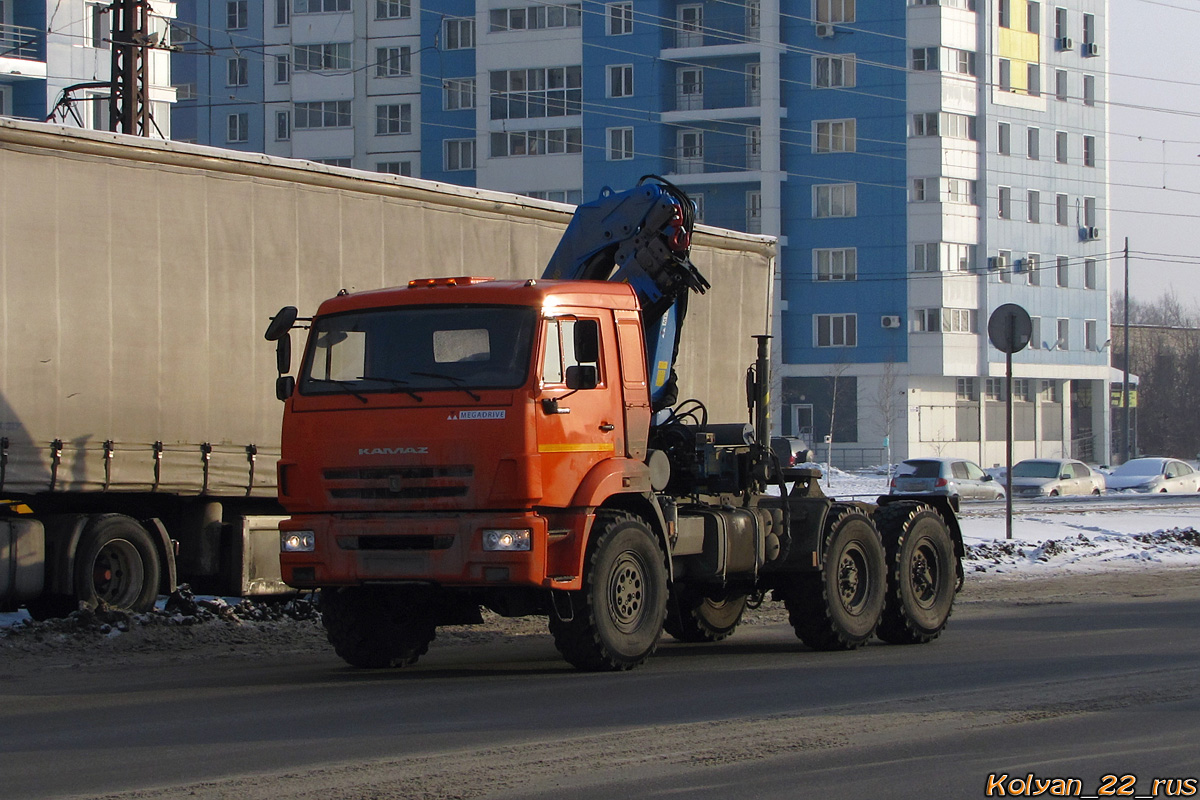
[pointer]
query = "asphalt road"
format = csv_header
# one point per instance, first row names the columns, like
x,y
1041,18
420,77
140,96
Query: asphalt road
x,y
1059,685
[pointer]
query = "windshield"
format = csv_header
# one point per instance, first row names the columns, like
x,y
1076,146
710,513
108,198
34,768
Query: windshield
x,y
1139,468
1036,469
416,349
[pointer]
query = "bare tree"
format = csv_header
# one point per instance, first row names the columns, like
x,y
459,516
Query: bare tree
x,y
885,404
835,373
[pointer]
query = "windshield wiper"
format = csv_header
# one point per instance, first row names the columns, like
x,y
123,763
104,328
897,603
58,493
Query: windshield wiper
x,y
345,385
458,382
397,383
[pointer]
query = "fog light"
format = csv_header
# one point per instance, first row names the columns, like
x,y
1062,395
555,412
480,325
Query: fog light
x,y
506,539
297,541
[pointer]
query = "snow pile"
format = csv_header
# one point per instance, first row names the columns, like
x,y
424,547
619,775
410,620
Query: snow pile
x,y
1081,552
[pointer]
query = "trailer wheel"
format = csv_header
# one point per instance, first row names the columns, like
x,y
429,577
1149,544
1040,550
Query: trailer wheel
x,y
617,617
116,563
922,573
378,627
692,617
839,607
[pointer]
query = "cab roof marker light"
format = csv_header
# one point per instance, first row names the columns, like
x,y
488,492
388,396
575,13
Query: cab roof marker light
x,y
434,283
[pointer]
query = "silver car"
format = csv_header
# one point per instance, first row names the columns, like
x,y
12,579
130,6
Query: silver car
x,y
953,477
1051,477
1154,475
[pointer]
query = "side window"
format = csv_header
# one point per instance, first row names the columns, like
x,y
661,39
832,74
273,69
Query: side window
x,y
1081,471
569,343
959,470
973,472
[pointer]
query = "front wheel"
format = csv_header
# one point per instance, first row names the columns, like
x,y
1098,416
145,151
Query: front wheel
x,y
922,573
839,608
617,617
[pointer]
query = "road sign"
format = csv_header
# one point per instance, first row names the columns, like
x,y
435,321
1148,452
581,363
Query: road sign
x,y
1010,328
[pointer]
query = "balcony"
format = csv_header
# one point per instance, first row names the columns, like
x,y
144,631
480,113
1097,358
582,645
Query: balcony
x,y
22,51
733,162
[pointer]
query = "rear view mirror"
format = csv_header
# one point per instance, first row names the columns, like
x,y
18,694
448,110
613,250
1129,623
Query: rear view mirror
x,y
285,386
283,353
582,377
281,323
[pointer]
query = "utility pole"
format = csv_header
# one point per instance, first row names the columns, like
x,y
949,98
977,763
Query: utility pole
x,y
128,102
1125,382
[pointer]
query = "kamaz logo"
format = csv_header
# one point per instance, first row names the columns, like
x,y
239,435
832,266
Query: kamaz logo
x,y
393,451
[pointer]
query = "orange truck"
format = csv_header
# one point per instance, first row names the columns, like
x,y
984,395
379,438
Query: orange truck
x,y
463,443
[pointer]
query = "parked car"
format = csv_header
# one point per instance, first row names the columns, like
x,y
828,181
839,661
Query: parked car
x,y
954,477
1051,477
1154,475
792,452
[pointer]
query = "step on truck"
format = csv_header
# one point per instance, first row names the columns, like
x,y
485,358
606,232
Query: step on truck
x,y
464,443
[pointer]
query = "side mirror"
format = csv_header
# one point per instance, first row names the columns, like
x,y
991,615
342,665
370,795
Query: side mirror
x,y
283,353
587,340
582,377
281,323
987,477
285,385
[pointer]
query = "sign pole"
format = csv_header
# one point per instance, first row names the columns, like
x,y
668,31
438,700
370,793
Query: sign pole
x,y
1008,433
1009,329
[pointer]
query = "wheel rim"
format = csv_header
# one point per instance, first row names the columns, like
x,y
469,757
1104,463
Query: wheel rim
x,y
626,591
118,573
853,580
924,569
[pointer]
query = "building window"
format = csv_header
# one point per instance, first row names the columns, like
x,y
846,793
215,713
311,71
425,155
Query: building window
x,y
393,62
238,129
945,124
282,12
753,84
1089,28
283,126
340,161
833,10
1004,13
931,256
1089,151
393,9
1035,333
620,80
1049,391
1060,147
925,257
1003,266
944,320
1033,17
835,200
1089,212
1005,202
1060,84
537,143
924,190
237,15
689,26
322,114
321,57
1090,342
753,19
1060,23
392,119
1061,271
960,190
948,59
536,93
754,147
1089,273
926,320
572,196
689,89
319,6
689,152
924,58
1035,205
237,72
834,136
754,212
1033,147
1089,90
620,144
965,390
1060,209
1064,334
458,33
620,19
836,330
395,168
283,68
834,72
993,388
1034,80
535,18
1033,267
458,93
1004,139
459,154
836,264
1005,75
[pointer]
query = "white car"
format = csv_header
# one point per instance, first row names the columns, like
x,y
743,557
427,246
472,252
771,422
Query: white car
x,y
1051,477
1154,475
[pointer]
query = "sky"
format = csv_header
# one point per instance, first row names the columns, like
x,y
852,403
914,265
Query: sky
x,y
1154,147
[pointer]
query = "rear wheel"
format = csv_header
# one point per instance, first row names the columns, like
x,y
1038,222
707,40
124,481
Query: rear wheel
x,y
616,619
376,627
692,617
116,564
839,607
922,573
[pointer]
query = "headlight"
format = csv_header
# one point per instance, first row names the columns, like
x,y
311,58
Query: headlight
x,y
500,539
297,541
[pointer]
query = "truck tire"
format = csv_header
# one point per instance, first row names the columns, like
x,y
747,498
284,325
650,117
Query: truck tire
x,y
116,563
839,607
692,617
617,617
374,627
922,573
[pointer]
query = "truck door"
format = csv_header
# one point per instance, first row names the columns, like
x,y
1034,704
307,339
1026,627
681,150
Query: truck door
x,y
580,419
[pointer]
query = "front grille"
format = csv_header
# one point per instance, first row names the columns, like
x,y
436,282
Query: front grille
x,y
390,542
399,482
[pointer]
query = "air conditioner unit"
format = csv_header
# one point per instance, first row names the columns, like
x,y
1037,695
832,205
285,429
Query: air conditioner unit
x,y
1092,233
824,31
889,321
997,262
1019,265
1091,49
1064,43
